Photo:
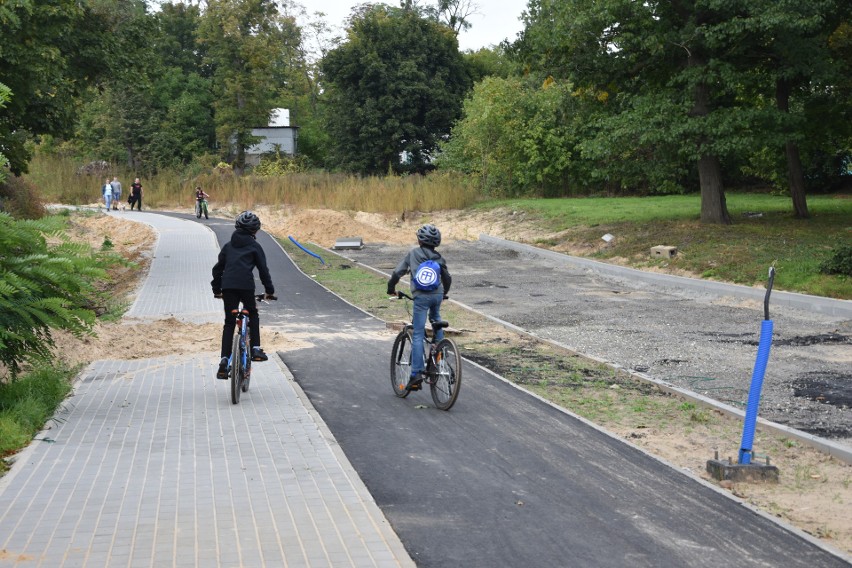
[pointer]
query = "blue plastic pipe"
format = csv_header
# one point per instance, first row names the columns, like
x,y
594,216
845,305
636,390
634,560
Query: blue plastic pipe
x,y
755,390
295,242
757,375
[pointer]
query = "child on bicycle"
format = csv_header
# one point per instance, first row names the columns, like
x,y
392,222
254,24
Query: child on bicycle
x,y
199,197
233,282
430,284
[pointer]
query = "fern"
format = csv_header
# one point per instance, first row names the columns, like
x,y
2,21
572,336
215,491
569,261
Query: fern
x,y
43,287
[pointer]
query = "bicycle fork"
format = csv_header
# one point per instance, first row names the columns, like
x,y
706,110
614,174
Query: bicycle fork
x,y
242,328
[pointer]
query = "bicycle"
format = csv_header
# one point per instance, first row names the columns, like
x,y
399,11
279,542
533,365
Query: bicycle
x,y
239,364
201,207
443,363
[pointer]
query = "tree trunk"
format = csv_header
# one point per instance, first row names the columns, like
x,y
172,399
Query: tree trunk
x,y
795,174
714,209
713,206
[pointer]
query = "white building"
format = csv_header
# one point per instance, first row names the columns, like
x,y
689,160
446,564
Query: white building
x,y
277,136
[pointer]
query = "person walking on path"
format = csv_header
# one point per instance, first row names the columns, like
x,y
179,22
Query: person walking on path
x,y
106,191
116,192
430,282
233,282
135,197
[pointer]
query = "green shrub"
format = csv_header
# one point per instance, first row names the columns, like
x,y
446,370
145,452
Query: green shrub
x,y
840,261
43,287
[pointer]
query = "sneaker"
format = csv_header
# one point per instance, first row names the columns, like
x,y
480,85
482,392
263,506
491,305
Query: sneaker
x,y
222,373
415,382
257,354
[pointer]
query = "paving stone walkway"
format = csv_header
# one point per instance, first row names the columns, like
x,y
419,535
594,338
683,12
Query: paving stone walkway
x,y
149,464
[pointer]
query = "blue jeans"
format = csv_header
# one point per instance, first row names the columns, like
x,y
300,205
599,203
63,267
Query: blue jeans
x,y
108,199
423,304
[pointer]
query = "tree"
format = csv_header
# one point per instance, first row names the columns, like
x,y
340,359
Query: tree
x,y
517,138
5,95
394,86
670,63
251,48
790,45
49,52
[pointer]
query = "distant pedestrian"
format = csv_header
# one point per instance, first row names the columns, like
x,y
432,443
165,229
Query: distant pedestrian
x,y
135,195
116,192
106,191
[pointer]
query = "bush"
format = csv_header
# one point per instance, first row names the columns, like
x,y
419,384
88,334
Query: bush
x,y
840,261
20,199
43,287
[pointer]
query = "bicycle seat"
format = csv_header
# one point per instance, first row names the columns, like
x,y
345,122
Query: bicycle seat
x,y
440,324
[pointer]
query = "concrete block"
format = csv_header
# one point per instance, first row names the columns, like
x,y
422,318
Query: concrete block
x,y
349,243
725,470
662,251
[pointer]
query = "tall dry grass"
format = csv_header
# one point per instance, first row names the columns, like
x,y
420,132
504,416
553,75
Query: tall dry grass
x,y
57,179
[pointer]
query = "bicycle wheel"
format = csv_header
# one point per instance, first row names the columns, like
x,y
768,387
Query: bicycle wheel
x,y
246,373
400,365
236,369
448,375
198,210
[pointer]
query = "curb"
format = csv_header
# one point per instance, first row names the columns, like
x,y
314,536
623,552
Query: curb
x,y
841,309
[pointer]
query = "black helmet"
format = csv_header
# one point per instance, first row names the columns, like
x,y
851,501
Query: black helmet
x,y
429,235
248,221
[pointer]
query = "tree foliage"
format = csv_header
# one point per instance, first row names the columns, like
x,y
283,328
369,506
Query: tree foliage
x,y
252,50
687,87
395,85
43,287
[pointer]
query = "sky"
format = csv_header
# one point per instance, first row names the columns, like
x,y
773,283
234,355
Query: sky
x,y
494,21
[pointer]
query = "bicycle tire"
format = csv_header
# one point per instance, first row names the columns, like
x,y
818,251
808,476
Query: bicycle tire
x,y
247,369
448,375
197,210
236,369
400,364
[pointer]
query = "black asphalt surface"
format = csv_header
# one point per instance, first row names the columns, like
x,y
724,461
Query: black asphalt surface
x,y
503,479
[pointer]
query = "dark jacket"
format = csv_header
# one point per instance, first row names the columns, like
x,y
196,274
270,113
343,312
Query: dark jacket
x,y
237,259
410,263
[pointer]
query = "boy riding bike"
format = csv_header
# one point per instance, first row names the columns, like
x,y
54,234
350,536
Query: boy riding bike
x,y
430,282
233,282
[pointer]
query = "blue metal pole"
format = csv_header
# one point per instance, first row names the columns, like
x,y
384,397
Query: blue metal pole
x,y
295,242
757,375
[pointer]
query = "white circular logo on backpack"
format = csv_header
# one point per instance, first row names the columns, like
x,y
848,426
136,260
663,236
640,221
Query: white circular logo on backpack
x,y
426,276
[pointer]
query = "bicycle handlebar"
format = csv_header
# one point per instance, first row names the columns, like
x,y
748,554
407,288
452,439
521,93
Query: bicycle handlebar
x,y
258,297
400,294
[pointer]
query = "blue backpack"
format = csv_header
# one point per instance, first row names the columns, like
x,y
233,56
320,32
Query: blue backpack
x,y
427,277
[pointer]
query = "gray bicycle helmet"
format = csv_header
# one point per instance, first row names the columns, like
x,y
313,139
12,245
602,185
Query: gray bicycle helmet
x,y
248,221
429,235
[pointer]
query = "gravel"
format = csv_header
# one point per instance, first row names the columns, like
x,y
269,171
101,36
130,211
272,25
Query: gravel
x,y
706,344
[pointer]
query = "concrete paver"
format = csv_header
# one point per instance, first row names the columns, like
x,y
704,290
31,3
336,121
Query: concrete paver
x,y
149,463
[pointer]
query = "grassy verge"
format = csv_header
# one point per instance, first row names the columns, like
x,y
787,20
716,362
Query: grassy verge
x,y
814,491
763,233
27,403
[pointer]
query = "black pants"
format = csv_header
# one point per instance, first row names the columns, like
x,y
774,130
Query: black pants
x,y
136,201
232,299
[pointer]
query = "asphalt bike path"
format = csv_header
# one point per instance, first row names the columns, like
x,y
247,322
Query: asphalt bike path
x,y
504,478
149,464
